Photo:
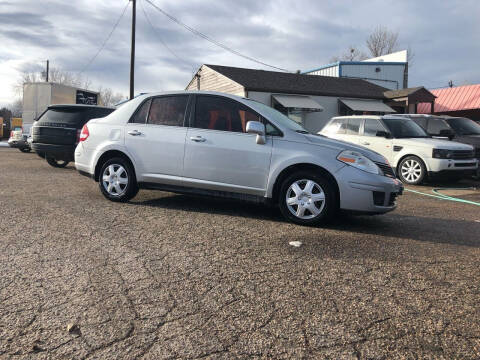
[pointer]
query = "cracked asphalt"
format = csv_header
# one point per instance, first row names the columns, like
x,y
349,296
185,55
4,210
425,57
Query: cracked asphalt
x,y
170,276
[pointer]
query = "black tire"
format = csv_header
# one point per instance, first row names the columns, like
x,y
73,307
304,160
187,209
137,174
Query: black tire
x,y
129,190
25,150
330,202
56,163
418,174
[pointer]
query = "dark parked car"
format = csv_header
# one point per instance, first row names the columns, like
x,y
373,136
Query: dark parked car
x,y
56,132
459,129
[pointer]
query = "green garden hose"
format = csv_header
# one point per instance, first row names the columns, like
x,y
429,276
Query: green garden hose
x,y
446,197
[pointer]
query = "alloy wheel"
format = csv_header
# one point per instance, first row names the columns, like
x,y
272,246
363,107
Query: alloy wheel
x,y
305,199
411,170
115,179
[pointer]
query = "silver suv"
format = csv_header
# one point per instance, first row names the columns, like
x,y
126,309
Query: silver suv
x,y
224,145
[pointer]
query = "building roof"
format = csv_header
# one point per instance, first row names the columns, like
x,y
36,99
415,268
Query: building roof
x,y
454,99
280,82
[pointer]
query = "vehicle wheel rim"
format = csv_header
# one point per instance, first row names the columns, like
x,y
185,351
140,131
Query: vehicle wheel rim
x,y
305,199
115,180
411,170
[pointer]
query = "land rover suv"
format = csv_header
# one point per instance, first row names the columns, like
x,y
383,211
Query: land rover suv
x,y
56,132
409,149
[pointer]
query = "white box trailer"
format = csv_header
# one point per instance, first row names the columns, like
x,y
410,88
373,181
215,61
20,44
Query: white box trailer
x,y
39,95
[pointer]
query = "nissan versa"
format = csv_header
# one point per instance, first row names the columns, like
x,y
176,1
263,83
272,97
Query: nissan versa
x,y
224,145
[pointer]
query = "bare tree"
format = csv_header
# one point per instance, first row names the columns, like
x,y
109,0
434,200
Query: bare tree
x,y
60,76
17,107
382,41
108,98
352,54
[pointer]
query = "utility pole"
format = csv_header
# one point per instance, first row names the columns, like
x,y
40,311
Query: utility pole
x,y
46,75
132,55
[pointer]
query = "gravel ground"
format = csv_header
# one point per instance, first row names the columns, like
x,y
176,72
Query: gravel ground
x,y
171,276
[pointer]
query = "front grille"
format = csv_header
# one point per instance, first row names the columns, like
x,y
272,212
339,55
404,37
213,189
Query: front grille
x,y
477,153
465,164
387,169
462,154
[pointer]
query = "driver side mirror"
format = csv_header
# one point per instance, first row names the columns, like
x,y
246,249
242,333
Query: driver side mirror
x,y
256,127
384,134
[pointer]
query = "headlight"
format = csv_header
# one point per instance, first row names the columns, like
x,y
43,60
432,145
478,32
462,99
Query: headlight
x,y
442,154
359,161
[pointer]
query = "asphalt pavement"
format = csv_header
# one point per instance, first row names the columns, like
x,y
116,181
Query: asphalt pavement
x,y
174,277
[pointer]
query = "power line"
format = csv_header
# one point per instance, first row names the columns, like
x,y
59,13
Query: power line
x,y
202,35
106,40
160,38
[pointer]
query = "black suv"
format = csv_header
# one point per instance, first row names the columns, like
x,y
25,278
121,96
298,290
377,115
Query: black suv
x,y
459,129
56,132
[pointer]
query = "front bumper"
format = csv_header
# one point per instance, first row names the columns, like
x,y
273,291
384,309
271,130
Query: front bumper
x,y
448,165
367,193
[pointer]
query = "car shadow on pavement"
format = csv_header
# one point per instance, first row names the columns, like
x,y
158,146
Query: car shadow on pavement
x,y
419,228
214,206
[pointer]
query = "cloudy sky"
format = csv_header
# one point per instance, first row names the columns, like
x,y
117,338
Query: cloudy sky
x,y
301,34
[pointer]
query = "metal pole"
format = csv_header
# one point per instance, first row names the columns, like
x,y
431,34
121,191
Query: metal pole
x,y
132,55
46,77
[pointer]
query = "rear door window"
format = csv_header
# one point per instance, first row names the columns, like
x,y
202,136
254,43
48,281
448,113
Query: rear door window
x,y
140,116
353,126
168,110
371,127
65,117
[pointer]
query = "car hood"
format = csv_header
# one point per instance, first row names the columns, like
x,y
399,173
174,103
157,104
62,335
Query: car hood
x,y
468,139
342,145
432,143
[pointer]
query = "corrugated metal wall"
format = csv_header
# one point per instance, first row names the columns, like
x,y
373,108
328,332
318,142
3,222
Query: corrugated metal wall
x,y
329,71
393,73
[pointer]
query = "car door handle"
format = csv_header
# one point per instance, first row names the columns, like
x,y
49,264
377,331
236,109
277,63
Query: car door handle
x,y
197,139
134,132
365,143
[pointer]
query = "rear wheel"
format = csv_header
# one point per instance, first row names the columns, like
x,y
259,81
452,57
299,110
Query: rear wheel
x,y
117,180
307,199
56,163
25,150
412,170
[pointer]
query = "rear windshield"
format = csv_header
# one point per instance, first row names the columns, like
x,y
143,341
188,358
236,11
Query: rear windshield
x,y
63,116
72,117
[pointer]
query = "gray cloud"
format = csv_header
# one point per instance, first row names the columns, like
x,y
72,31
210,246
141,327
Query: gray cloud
x,y
293,35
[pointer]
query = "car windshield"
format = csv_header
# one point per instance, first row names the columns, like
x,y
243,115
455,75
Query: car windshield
x,y
464,126
404,128
276,116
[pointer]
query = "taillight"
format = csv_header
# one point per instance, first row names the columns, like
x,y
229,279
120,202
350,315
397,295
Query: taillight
x,y
11,133
84,133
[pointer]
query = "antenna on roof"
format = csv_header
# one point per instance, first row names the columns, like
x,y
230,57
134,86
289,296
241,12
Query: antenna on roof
x,y
450,83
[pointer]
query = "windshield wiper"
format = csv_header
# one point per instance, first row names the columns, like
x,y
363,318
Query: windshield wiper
x,y
302,131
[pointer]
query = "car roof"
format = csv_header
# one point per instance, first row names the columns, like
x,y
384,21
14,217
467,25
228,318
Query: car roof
x,y
198,92
79,106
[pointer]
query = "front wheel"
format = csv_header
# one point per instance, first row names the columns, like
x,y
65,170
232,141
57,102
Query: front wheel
x,y
412,170
117,180
56,163
25,150
307,199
